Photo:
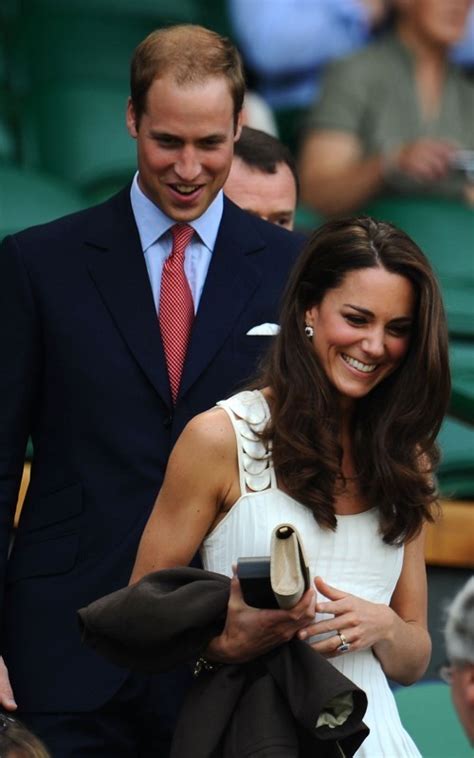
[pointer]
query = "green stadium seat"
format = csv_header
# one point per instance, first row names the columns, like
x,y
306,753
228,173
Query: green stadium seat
x,y
456,470
55,41
444,229
28,198
307,219
29,453
428,715
290,123
8,147
178,12
214,15
8,142
462,370
78,133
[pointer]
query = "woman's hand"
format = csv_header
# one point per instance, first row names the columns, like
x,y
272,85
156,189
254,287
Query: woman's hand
x,y
250,632
361,623
425,159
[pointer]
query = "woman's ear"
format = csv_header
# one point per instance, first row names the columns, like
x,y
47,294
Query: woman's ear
x,y
311,315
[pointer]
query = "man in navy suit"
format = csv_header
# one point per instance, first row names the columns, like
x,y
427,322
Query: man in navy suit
x,y
84,373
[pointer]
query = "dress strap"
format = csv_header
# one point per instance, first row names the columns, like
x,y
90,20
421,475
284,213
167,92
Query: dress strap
x,y
249,414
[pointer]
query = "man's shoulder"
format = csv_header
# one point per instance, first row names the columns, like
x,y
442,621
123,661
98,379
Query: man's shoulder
x,y
249,224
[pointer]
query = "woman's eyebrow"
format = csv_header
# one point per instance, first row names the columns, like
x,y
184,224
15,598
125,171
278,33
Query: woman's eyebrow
x,y
365,311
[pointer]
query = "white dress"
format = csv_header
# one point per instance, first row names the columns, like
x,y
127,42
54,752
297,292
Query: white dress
x,y
354,558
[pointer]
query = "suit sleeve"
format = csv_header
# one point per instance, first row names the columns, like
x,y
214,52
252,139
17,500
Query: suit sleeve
x,y
20,340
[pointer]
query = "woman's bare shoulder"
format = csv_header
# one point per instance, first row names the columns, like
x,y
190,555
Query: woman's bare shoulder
x,y
210,431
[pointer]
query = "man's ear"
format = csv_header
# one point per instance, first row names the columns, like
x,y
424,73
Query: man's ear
x,y
132,124
238,125
469,684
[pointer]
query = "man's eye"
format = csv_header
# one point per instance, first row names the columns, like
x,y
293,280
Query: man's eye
x,y
210,145
167,142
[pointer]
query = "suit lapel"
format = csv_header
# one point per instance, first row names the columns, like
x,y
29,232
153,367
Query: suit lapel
x,y
119,273
231,281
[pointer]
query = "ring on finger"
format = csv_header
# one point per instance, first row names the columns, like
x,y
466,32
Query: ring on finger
x,y
345,646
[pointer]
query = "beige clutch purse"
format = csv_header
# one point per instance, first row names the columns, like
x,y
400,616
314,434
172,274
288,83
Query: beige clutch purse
x,y
289,570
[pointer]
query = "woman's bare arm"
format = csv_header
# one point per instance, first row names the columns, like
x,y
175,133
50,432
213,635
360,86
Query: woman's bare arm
x,y
201,479
335,177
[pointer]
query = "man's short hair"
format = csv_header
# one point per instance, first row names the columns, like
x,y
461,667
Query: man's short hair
x,y
191,54
264,152
459,630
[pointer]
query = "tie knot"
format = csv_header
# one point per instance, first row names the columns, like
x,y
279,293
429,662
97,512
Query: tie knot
x,y
182,234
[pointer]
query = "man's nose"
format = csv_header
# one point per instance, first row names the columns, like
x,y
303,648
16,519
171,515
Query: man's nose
x,y
187,167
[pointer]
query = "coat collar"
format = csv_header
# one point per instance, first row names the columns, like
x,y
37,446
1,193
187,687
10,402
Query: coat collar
x,y
119,273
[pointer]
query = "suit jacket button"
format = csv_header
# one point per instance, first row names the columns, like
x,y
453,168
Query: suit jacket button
x,y
168,421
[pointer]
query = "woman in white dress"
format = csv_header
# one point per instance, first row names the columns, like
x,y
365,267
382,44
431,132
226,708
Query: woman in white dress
x,y
337,438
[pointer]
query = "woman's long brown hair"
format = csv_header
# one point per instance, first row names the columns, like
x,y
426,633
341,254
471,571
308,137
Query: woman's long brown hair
x,y
396,424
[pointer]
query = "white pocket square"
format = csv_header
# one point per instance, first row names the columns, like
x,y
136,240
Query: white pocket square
x,y
263,330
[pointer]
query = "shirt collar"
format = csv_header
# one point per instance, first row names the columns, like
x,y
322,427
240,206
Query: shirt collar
x,y
152,223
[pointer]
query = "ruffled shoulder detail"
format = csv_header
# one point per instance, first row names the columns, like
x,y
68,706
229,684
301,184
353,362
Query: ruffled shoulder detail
x,y
251,416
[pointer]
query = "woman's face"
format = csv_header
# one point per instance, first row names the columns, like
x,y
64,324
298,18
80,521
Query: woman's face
x,y
441,22
362,329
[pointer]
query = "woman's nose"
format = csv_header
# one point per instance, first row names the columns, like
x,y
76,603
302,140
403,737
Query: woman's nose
x,y
373,344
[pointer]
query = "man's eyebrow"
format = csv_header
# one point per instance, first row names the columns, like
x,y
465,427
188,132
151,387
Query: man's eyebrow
x,y
217,137
168,137
163,135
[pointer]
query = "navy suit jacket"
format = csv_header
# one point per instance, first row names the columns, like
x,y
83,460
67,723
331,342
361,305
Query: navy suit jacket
x,y
83,372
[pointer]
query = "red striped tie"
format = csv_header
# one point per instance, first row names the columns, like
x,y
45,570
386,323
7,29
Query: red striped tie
x,y
176,312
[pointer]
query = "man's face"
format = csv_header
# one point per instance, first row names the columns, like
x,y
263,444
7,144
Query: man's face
x,y
185,143
270,196
462,693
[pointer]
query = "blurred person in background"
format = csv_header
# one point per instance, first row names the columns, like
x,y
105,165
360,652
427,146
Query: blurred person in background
x,y
396,117
263,178
463,51
286,43
459,639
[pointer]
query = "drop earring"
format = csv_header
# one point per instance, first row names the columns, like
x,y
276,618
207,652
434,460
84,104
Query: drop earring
x,y
309,331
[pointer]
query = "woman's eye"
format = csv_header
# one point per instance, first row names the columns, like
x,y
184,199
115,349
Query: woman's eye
x,y
400,331
355,320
